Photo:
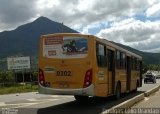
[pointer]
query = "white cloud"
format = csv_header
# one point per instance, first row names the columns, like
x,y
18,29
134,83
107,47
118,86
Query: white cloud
x,y
85,5
154,10
149,45
42,4
86,15
83,12
15,12
93,26
135,33
74,13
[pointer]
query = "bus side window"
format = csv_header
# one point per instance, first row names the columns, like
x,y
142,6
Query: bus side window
x,y
133,63
137,65
122,60
118,60
101,55
110,59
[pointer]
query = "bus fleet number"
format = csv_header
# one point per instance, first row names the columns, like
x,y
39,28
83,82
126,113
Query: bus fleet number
x,y
63,73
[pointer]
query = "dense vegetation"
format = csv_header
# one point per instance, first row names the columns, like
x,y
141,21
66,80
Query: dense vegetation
x,y
18,88
151,67
8,83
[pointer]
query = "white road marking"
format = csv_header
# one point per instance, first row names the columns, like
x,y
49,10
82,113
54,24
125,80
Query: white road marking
x,y
61,96
2,103
41,100
31,99
35,101
17,104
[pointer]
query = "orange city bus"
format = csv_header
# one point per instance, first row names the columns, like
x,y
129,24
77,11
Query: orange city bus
x,y
85,65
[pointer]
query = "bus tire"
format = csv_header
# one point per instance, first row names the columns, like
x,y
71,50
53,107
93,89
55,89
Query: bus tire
x,y
118,91
81,98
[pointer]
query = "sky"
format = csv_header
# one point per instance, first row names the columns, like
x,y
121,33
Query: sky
x,y
135,23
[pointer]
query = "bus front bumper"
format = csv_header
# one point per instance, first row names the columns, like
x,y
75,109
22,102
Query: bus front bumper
x,y
89,91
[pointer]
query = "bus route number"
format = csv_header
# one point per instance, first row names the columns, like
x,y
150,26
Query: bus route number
x,y
63,73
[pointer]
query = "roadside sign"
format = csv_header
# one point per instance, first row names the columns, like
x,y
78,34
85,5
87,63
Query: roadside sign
x,y
17,63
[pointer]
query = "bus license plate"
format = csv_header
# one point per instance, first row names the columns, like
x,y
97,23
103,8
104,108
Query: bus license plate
x,y
63,73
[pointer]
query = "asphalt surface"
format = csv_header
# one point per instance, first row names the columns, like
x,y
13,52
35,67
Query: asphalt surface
x,y
34,103
152,101
150,105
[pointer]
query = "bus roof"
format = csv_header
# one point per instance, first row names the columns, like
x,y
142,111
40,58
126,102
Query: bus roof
x,y
100,40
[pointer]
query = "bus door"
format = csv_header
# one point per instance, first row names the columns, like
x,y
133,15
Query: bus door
x,y
111,71
128,73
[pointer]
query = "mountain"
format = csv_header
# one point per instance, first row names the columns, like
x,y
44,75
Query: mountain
x,y
24,39
148,58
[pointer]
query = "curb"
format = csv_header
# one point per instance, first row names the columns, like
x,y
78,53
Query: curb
x,y
151,91
127,104
124,105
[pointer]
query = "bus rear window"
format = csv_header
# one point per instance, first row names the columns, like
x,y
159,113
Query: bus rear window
x,y
65,47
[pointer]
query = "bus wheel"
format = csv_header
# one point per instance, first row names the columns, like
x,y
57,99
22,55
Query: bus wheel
x,y
81,98
118,91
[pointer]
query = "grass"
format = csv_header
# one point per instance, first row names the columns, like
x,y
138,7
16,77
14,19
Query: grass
x,y
18,88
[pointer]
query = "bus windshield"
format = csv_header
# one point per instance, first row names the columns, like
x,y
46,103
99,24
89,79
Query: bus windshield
x,y
65,47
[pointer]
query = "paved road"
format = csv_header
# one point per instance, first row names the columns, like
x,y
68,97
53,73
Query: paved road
x,y
150,105
34,103
148,86
152,101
